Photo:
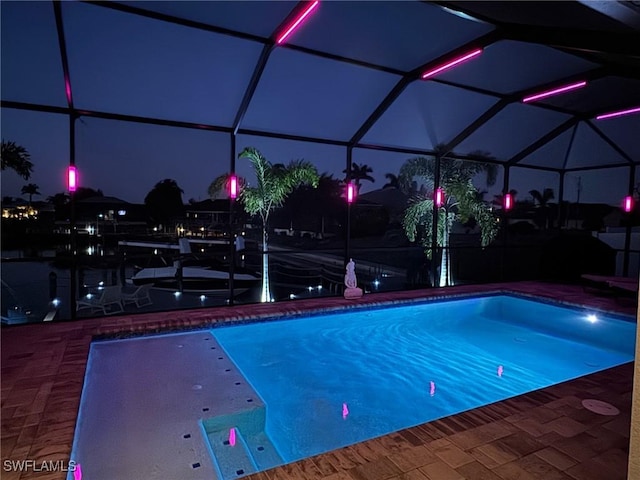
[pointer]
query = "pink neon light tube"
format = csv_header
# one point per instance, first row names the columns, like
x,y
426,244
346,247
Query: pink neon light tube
x,y
439,197
508,201
452,63
72,178
233,187
555,91
295,24
627,204
618,114
351,193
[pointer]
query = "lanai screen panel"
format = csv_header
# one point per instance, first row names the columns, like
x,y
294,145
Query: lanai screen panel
x,y
134,65
624,131
401,35
523,180
551,154
302,94
107,150
590,150
606,185
509,66
427,114
385,167
513,129
251,17
31,64
46,138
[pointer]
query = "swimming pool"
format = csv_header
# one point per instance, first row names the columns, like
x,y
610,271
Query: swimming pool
x,y
314,384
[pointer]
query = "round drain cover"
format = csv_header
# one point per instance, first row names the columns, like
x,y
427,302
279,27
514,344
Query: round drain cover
x,y
600,407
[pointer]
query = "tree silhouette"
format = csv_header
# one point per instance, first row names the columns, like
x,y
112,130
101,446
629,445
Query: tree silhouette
x,y
86,192
359,173
164,202
393,181
30,189
541,201
274,183
16,158
317,207
462,202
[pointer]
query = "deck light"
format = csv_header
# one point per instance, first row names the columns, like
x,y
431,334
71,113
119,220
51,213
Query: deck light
x,y
439,197
297,21
233,187
351,193
508,201
627,203
452,63
555,91
72,178
618,113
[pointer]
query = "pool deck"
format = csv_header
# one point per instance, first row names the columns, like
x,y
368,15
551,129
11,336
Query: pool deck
x,y
545,434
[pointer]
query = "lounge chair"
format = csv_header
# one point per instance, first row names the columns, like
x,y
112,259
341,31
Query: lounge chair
x,y
108,300
140,296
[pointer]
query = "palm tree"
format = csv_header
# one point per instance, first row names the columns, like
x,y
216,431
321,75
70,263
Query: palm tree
x,y
393,181
16,158
274,183
541,200
359,173
31,189
462,202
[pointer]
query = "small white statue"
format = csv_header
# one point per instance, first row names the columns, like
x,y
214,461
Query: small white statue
x,y
350,281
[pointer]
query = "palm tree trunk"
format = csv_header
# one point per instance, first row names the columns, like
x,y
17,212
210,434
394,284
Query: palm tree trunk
x,y
265,296
445,262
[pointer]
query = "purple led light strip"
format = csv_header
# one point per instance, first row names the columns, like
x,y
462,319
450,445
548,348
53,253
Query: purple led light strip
x,y
452,63
293,26
618,113
555,91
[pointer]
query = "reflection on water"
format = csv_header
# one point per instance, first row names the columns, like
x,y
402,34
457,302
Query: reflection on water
x,y
31,285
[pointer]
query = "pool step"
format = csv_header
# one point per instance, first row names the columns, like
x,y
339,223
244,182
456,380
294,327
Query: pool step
x,y
263,452
253,450
233,461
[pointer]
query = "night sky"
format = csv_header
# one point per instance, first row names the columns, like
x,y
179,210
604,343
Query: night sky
x,y
128,64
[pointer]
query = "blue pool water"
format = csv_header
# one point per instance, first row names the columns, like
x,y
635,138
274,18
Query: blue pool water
x,y
380,363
